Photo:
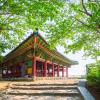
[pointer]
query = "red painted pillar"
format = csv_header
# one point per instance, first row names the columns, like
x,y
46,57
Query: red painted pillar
x,y
7,73
42,73
48,72
58,71
62,71
66,71
34,66
52,70
45,69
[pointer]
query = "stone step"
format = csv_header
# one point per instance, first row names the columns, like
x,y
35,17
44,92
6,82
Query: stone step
x,y
51,78
43,92
30,97
44,87
44,84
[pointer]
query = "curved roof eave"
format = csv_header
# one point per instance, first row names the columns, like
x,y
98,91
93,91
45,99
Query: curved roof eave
x,y
67,60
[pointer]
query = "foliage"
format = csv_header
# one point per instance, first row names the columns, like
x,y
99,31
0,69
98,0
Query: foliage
x,y
18,16
78,27
93,74
75,24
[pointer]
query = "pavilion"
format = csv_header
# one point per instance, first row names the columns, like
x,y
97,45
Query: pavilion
x,y
34,58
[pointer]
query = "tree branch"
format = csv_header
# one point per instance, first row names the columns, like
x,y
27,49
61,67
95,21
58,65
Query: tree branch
x,y
81,22
98,32
85,10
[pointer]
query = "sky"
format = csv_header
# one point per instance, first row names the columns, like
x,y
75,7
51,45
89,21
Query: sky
x,y
80,69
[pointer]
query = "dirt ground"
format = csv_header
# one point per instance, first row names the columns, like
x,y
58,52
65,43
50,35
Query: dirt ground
x,y
4,85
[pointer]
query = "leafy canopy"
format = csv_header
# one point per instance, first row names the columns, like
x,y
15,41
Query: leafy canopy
x,y
78,27
75,25
18,16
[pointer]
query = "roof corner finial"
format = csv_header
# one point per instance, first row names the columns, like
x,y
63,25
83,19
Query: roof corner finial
x,y
36,32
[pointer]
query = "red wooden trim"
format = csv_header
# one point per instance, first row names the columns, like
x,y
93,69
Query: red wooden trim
x,y
43,60
49,62
45,69
40,59
35,39
58,70
62,71
52,70
34,66
66,71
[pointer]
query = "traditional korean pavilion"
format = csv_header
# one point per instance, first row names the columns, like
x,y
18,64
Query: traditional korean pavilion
x,y
34,58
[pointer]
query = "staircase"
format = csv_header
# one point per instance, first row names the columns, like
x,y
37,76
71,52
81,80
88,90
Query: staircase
x,y
30,91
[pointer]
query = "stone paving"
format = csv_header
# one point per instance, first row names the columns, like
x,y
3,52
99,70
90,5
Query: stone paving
x,y
45,90
25,97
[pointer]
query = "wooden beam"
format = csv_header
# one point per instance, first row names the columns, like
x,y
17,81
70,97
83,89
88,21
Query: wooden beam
x,y
44,49
50,53
40,59
45,69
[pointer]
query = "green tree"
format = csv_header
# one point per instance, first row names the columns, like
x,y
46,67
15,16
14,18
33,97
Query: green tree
x,y
18,16
78,27
93,74
75,23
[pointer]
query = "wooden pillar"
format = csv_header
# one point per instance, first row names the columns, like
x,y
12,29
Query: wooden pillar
x,y
34,67
52,70
45,69
7,73
48,72
2,72
58,71
42,69
63,71
66,71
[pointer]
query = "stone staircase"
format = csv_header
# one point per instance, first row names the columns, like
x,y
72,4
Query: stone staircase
x,y
29,91
51,78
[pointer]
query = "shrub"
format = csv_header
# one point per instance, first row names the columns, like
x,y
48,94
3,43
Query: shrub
x,y
93,74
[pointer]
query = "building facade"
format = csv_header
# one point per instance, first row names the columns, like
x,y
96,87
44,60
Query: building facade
x,y
34,58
